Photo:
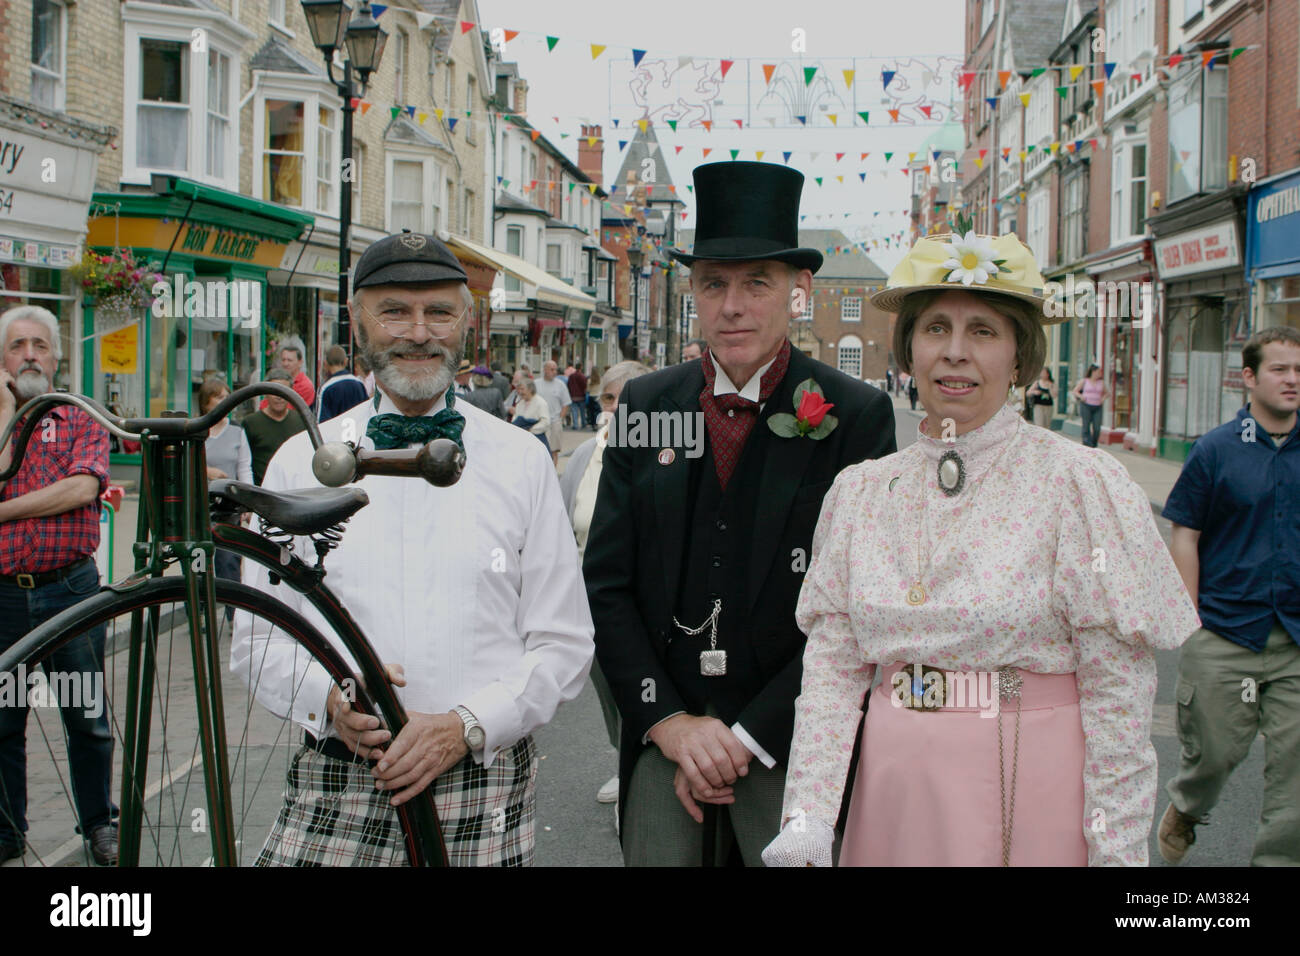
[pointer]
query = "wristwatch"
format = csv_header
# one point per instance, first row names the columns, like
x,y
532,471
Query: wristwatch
x,y
475,737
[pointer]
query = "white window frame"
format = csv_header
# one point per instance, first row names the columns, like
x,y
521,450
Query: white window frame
x,y
60,77
688,306
151,21
986,16
401,65
466,211
807,314
1036,231
433,180
314,94
471,88
853,314
275,13
1122,188
849,348
558,270
522,254
1206,180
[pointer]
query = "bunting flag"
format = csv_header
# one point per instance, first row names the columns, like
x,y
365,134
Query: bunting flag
x,y
888,157
641,124
965,80
1063,91
395,111
802,119
356,100
510,34
979,163
678,148
1099,87
758,155
787,156
992,101
863,156
1109,68
893,116
636,57
740,124
848,78
862,176
537,132
818,180
726,65
365,107
1006,152
707,124
1207,58
865,114
1023,155
597,49
550,43
834,118
1136,77
673,125
734,154
1003,76
886,77
591,141
808,73
410,111
1024,100
591,188
707,151
622,144
767,71
983,153
1236,52
1176,58
926,110
838,157
1035,74
451,124
1074,72
1055,147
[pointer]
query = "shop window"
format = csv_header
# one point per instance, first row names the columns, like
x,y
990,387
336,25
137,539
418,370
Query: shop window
x,y
180,95
49,42
163,116
1198,132
406,211
514,246
850,356
326,161
218,114
282,152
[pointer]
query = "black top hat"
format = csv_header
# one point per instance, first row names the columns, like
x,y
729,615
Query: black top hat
x,y
408,257
747,211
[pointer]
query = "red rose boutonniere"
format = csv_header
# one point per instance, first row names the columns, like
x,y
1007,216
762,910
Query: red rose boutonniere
x,y
810,417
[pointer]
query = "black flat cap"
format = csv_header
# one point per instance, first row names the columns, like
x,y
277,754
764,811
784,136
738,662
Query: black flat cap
x,y
405,259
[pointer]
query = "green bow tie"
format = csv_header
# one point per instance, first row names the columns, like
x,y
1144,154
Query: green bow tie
x,y
399,431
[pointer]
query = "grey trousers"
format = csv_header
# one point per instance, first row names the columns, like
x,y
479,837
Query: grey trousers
x,y
1226,695
657,830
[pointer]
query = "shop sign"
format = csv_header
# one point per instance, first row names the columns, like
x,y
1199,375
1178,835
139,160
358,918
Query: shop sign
x,y
1208,249
37,253
217,243
45,186
1273,223
118,350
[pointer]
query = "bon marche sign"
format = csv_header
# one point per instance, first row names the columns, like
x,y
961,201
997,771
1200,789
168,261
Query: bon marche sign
x,y
1207,249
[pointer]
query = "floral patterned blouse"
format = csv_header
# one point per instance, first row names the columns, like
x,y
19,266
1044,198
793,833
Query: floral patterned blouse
x,y
1047,559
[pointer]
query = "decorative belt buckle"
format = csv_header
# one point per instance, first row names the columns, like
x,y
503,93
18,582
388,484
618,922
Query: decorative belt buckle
x,y
1009,683
25,581
914,693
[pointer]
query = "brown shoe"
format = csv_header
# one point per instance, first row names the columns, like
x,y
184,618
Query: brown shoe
x,y
1176,834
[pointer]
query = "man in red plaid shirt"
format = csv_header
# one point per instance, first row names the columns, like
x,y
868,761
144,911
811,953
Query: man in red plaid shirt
x,y
49,531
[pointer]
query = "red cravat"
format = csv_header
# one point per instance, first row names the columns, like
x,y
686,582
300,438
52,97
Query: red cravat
x,y
730,418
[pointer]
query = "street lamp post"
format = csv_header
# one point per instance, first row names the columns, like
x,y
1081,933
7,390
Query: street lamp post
x,y
365,40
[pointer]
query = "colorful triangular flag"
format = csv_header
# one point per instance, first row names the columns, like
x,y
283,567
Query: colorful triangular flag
x,y
550,43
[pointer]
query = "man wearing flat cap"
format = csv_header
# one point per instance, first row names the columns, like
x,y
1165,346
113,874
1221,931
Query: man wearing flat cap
x,y
471,594
694,561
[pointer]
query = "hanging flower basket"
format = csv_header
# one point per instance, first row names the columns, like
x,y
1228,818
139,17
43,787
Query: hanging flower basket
x,y
119,286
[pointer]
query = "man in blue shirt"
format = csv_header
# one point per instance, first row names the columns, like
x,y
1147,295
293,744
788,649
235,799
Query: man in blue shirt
x,y
341,391
1236,516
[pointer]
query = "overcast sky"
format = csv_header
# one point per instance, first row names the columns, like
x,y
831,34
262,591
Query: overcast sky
x,y
867,36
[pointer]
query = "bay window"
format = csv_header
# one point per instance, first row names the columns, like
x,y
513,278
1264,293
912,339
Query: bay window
x,y
414,192
163,114
218,115
1128,190
296,129
1198,132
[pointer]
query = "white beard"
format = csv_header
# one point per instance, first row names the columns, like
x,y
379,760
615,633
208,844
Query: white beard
x,y
30,383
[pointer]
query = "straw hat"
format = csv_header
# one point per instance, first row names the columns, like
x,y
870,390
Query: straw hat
x,y
967,263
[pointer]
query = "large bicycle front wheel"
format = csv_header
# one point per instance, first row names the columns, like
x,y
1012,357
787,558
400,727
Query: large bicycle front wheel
x,y
79,729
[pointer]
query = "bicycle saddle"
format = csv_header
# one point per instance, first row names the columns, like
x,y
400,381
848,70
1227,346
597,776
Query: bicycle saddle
x,y
309,511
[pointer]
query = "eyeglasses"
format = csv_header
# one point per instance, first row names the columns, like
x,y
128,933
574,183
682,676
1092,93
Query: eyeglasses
x,y
399,322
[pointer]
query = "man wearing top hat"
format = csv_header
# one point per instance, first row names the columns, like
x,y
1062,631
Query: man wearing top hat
x,y
471,594
694,564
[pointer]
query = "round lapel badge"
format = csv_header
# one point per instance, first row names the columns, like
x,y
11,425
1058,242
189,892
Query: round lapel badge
x,y
666,456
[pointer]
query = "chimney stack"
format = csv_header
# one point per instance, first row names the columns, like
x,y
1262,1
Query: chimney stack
x,y
591,158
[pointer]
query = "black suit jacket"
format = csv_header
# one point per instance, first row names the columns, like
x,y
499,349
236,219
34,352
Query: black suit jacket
x,y
638,532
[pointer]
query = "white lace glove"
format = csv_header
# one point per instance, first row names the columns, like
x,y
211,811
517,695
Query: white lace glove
x,y
809,845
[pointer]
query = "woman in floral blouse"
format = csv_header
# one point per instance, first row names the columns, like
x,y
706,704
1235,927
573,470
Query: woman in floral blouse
x,y
989,570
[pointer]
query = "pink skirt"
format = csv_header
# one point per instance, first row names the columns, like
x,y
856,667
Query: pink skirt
x,y
928,791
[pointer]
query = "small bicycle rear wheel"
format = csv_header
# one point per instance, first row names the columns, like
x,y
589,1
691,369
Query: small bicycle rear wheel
x,y
261,748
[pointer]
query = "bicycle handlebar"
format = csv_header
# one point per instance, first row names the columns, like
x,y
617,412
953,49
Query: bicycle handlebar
x,y
134,429
440,463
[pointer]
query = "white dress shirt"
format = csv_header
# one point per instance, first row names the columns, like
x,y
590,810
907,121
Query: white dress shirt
x,y
474,589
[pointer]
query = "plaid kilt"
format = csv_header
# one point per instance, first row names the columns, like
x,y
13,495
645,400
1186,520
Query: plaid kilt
x,y
334,816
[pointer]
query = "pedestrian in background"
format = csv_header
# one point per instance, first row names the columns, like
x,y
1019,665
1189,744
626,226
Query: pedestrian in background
x,y
361,369
1236,521
693,350
340,390
911,391
1091,393
578,487
577,397
270,427
556,395
483,394
1042,398
292,354
49,533
531,412
499,380
229,456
